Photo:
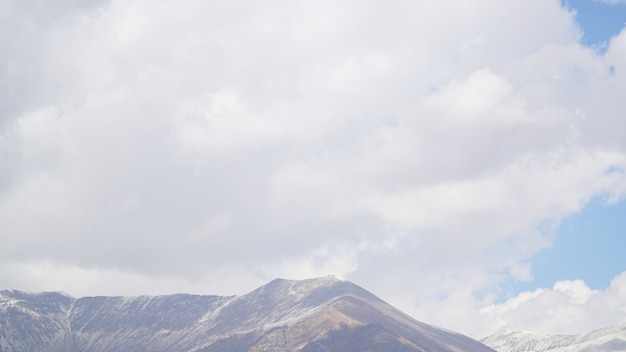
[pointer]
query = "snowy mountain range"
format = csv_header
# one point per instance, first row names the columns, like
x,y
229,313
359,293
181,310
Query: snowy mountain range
x,y
324,314
609,339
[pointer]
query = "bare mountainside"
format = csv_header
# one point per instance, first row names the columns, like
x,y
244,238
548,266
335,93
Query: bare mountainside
x,y
324,314
609,339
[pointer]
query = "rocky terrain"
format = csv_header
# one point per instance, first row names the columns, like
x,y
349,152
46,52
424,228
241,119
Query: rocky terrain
x,y
609,339
324,314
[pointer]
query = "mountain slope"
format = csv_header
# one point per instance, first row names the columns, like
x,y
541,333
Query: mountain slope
x,y
609,339
322,314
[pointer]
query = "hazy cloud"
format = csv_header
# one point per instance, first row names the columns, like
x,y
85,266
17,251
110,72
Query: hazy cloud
x,y
612,2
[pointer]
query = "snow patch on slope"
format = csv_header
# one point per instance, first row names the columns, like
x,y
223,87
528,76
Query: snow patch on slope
x,y
609,339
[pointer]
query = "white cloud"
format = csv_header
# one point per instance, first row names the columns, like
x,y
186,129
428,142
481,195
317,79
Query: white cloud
x,y
567,307
169,146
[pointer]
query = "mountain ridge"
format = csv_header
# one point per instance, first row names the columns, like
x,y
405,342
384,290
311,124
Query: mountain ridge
x,y
314,315
608,339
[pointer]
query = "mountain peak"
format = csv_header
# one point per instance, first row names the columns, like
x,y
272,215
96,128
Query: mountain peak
x,y
322,288
322,314
311,283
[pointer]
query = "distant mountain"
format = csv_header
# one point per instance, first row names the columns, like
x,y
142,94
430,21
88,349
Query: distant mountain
x,y
609,339
324,314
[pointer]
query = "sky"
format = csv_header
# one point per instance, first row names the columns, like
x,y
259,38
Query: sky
x,y
464,160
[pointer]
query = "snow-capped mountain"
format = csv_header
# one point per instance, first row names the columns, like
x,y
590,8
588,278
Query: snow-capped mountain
x,y
609,339
324,314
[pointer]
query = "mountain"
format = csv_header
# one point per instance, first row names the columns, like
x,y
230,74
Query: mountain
x,y
324,314
609,339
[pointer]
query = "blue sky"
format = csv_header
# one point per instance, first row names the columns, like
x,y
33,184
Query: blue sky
x,y
152,147
590,244
599,20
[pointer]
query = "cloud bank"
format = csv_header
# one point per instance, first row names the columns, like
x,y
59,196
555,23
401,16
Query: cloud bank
x,y
164,146
569,306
